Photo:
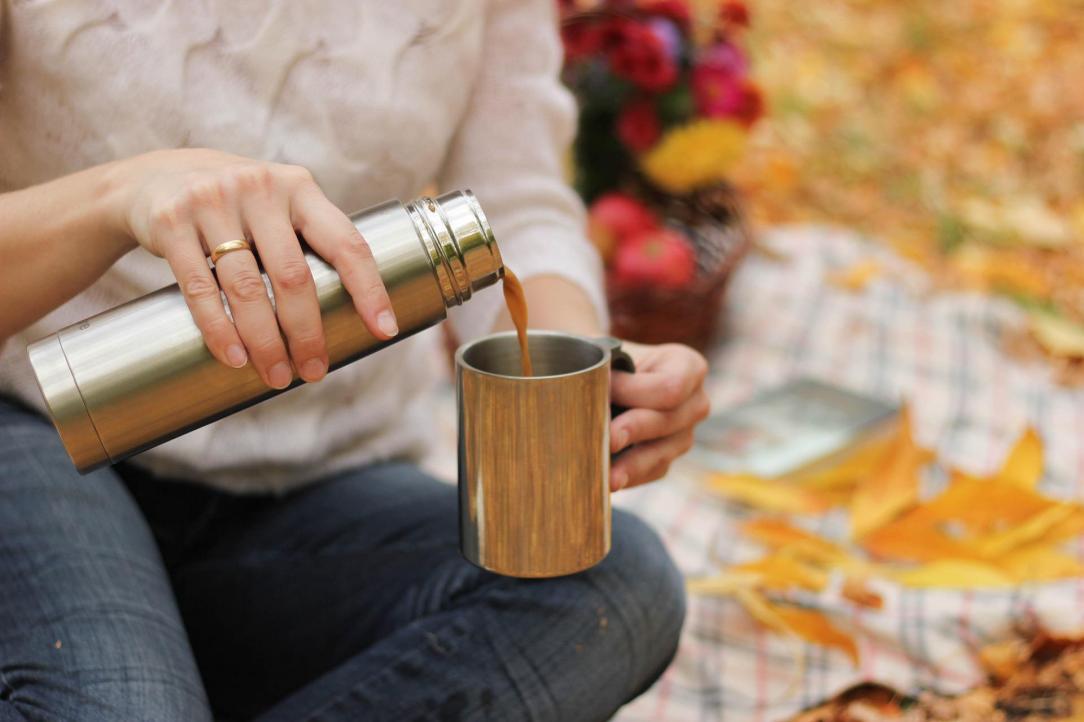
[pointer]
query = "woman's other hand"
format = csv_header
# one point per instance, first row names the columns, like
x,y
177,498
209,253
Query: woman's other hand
x,y
181,204
665,399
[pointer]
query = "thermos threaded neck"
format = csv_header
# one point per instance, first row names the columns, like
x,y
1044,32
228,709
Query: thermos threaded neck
x,y
460,243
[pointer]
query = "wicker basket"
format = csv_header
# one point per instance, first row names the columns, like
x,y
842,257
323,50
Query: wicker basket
x,y
714,222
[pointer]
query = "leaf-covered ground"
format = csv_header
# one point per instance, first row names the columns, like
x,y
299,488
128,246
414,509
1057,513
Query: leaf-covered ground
x,y
952,131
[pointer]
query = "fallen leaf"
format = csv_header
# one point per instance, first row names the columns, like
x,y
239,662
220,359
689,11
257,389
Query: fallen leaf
x,y
1024,465
796,622
892,486
955,574
856,276
767,494
780,572
981,505
1040,563
1058,335
779,534
913,538
855,590
1032,530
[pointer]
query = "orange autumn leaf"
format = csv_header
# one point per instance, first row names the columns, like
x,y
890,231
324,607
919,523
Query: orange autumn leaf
x,y
767,494
856,591
912,538
807,624
1032,530
955,574
1024,465
1040,563
892,486
779,534
780,572
983,506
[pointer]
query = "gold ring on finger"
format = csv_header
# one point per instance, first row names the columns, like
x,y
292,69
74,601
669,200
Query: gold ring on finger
x,y
238,244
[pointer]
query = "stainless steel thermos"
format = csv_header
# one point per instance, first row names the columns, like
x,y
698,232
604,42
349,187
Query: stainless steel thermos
x,y
140,374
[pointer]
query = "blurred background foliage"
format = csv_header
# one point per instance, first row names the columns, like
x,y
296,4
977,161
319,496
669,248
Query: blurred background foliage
x,y
953,131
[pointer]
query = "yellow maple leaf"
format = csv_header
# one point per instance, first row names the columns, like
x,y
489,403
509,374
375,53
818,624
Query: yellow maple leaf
x,y
981,505
781,571
1024,465
856,276
796,622
892,486
955,574
767,494
1058,335
1040,563
1033,530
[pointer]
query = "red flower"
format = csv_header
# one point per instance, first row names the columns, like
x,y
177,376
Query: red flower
x,y
638,125
751,107
641,57
676,10
734,12
659,257
581,39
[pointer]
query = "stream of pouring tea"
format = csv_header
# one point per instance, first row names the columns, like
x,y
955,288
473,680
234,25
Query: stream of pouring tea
x,y
517,309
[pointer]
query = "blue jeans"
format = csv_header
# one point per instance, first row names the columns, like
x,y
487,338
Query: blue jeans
x,y
125,597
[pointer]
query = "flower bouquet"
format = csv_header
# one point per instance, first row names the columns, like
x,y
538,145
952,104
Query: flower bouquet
x,y
665,107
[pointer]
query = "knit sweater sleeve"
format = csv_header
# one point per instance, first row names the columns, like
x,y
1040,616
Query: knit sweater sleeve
x,y
510,150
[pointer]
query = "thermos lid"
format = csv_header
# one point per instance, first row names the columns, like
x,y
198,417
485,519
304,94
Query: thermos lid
x,y
65,404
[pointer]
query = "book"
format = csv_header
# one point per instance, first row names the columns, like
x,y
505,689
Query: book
x,y
792,428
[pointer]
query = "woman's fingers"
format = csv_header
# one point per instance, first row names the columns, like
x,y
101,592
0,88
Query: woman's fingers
x,y
189,265
239,276
296,305
670,377
638,425
650,461
334,237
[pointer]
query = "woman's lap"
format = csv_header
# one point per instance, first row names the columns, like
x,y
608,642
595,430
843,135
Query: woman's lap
x,y
88,625
350,599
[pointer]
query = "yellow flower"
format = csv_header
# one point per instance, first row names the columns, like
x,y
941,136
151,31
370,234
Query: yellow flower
x,y
698,154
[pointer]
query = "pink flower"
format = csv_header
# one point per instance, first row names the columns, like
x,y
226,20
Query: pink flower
x,y
638,125
718,93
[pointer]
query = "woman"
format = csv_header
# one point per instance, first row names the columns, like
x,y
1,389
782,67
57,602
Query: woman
x,y
288,562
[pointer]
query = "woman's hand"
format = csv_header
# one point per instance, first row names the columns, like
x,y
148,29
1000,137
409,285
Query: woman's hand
x,y
181,204
665,399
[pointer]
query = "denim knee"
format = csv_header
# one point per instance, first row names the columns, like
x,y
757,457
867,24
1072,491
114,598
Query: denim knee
x,y
652,595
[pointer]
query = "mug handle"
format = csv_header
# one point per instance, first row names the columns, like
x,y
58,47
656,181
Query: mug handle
x,y
619,361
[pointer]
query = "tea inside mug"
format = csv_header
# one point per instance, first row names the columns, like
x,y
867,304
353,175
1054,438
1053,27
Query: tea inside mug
x,y
550,354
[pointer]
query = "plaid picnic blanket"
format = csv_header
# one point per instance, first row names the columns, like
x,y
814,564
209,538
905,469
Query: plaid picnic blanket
x,y
896,339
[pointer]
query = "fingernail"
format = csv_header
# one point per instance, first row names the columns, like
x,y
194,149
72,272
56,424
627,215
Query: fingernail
x,y
386,323
622,438
620,478
236,356
280,375
313,369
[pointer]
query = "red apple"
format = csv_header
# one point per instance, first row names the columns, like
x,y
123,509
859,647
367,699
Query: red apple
x,y
656,257
621,216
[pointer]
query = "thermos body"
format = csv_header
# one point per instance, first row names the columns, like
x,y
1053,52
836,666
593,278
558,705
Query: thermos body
x,y
140,374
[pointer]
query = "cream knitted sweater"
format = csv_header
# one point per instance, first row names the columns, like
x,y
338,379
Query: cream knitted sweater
x,y
378,99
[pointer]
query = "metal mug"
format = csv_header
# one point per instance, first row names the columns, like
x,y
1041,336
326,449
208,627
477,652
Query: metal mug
x,y
534,452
